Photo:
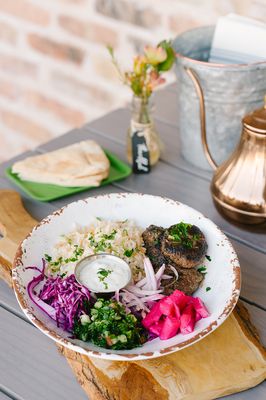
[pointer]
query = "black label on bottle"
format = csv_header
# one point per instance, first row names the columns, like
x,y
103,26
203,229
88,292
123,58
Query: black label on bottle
x,y
140,153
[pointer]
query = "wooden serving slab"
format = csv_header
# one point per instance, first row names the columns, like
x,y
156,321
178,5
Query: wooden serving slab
x,y
229,360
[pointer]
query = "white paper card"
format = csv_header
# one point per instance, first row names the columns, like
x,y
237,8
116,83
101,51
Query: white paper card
x,y
238,40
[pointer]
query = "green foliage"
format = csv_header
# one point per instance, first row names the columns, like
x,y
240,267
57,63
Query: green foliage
x,y
168,63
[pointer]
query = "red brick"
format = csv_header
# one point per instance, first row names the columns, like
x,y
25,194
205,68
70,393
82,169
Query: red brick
x,y
8,89
7,33
103,67
17,66
88,30
24,125
182,22
70,116
86,93
60,51
129,11
13,91
25,10
70,1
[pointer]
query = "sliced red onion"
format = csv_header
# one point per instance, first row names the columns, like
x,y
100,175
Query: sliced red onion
x,y
159,273
117,295
174,271
141,283
142,292
149,271
164,276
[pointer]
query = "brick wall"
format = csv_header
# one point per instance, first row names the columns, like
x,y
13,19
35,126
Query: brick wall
x,y
55,72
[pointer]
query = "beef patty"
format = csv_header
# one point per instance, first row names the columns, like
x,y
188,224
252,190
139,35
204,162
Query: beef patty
x,y
152,237
188,280
184,245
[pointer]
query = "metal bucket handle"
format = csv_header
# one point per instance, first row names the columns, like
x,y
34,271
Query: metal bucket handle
x,y
195,79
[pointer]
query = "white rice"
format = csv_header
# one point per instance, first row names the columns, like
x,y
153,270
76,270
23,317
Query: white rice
x,y
116,237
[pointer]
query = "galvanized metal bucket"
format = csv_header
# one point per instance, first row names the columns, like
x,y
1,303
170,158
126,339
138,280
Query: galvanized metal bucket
x,y
226,93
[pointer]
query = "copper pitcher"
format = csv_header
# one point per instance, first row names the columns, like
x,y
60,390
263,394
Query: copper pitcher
x,y
238,186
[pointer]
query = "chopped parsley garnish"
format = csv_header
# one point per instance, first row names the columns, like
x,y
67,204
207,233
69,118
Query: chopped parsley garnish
x,y
110,326
76,255
78,251
202,269
180,233
208,288
208,257
47,257
111,236
128,252
103,242
55,265
103,274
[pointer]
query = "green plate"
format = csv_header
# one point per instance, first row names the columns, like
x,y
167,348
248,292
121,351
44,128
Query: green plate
x,y
46,191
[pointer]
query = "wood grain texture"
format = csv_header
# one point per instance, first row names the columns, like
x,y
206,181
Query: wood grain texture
x,y
195,373
15,223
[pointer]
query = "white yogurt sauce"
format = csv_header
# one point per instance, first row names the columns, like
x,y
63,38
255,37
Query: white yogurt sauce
x,y
103,274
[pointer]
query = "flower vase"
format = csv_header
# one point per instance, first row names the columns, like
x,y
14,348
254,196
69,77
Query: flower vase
x,y
143,144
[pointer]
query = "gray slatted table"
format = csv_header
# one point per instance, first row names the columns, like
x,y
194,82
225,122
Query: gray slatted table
x,y
30,366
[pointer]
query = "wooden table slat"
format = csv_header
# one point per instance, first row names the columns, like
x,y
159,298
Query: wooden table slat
x,y
115,126
30,365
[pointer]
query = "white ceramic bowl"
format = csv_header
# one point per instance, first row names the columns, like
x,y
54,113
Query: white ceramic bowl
x,y
223,276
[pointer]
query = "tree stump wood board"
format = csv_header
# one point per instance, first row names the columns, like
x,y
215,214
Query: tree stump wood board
x,y
229,360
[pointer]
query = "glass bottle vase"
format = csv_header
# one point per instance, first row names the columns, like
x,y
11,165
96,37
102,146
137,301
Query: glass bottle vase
x,y
142,122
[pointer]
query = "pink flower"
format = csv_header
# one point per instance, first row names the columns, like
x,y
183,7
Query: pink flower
x,y
155,55
155,80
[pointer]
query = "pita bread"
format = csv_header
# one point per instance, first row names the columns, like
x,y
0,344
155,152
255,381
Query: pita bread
x,y
80,164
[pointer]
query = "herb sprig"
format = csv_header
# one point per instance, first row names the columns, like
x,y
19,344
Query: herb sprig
x,y
202,269
103,274
180,233
78,252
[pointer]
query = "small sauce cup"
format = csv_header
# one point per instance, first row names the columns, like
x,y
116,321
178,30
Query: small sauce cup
x,y
103,273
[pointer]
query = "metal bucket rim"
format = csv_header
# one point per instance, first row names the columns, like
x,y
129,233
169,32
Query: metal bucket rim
x,y
214,65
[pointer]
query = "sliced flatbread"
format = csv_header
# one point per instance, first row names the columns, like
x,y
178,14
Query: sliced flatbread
x,y
80,164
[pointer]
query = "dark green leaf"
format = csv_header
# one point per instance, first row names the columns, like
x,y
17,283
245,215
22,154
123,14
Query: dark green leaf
x,y
128,252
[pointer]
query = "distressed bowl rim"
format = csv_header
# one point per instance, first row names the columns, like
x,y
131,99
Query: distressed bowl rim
x,y
17,263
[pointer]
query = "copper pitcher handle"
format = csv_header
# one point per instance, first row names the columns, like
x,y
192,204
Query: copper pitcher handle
x,y
195,79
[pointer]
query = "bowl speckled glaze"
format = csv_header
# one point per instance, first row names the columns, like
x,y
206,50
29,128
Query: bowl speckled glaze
x,y
223,271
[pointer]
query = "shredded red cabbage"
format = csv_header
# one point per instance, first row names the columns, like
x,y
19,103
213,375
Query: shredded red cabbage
x,y
63,299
